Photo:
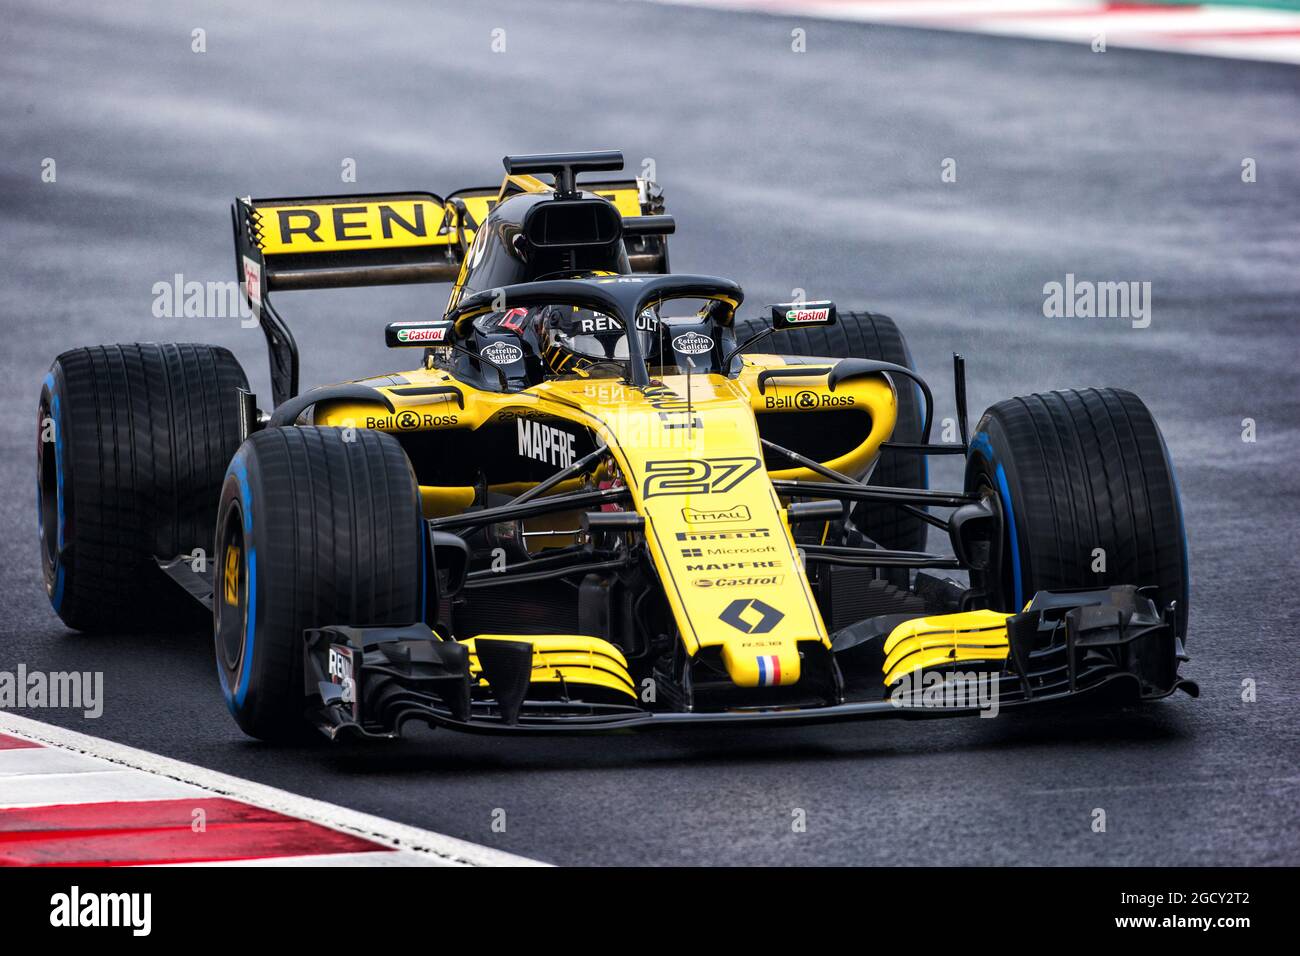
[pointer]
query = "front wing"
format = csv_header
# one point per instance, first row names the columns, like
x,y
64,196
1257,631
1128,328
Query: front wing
x,y
1111,643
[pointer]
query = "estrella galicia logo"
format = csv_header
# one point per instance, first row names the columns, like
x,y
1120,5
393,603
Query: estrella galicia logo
x,y
692,343
751,616
502,353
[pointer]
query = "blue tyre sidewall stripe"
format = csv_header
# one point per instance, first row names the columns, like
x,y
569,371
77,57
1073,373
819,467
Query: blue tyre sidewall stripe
x,y
983,445
235,698
60,538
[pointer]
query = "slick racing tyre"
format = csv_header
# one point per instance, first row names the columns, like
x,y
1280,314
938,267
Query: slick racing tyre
x,y
1088,496
132,444
316,526
871,336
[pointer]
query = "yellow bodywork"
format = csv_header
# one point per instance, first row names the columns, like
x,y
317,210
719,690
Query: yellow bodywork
x,y
358,224
688,449
564,659
945,639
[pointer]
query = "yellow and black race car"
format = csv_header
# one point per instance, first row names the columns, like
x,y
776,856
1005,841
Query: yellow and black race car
x,y
600,499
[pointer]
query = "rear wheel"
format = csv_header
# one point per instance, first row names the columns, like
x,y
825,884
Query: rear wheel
x,y
133,441
316,527
1088,495
870,335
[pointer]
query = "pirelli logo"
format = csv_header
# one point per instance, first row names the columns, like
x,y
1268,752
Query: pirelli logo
x,y
354,224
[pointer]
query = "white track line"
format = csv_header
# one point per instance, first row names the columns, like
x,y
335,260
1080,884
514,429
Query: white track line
x,y
378,858
40,776
1237,32
430,848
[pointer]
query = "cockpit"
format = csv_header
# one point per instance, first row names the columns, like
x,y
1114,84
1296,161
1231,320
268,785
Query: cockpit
x,y
539,342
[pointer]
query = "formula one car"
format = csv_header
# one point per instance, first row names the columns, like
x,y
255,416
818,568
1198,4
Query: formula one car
x,y
598,501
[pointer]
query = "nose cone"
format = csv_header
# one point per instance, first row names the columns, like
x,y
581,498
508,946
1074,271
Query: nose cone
x,y
760,662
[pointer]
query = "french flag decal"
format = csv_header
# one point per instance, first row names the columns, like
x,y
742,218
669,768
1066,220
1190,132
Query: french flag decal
x,y
769,670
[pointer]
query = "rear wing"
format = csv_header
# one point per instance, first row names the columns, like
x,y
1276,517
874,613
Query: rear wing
x,y
334,241
329,242
325,242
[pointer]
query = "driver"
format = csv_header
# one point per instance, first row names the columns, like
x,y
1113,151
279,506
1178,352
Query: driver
x,y
576,339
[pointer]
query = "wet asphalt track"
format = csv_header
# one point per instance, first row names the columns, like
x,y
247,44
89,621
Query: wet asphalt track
x,y
818,171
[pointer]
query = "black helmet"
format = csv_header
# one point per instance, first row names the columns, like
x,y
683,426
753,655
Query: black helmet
x,y
574,338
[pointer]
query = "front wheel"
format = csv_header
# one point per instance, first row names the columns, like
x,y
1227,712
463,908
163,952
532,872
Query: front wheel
x,y
316,526
1088,496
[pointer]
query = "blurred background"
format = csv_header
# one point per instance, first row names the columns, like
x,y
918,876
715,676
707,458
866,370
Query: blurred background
x,y
795,153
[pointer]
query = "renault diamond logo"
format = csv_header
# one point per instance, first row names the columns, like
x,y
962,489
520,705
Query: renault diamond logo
x,y
751,616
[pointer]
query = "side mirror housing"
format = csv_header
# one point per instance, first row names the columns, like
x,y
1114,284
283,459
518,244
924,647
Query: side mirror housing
x,y
797,315
417,334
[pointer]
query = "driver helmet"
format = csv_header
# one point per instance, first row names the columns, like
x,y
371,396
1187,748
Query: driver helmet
x,y
575,338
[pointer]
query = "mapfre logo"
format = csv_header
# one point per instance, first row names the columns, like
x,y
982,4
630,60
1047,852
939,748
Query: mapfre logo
x,y
733,565
545,443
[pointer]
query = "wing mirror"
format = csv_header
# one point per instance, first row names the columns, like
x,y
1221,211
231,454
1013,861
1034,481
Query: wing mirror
x,y
798,315
413,334
785,316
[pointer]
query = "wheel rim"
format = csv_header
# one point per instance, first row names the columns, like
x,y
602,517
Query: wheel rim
x,y
230,591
